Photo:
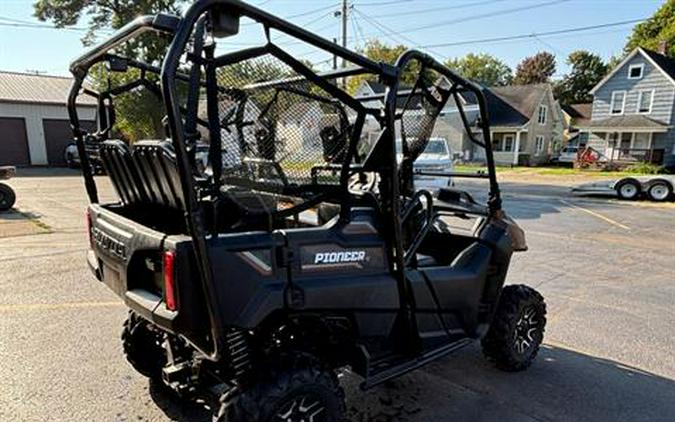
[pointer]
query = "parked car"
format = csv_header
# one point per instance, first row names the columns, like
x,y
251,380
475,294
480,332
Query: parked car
x,y
436,158
72,157
567,155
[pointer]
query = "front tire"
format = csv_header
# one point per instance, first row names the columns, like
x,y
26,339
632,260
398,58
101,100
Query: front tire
x,y
143,347
299,390
7,197
517,329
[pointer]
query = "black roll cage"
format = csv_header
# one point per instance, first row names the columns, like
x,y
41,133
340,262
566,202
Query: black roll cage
x,y
181,29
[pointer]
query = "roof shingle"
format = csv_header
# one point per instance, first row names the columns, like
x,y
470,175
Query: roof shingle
x,y
633,121
666,64
513,105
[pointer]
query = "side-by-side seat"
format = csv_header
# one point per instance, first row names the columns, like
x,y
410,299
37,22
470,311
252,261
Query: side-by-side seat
x,y
156,165
119,165
145,174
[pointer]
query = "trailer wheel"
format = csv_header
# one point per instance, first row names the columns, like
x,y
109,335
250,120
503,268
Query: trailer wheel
x,y
300,390
628,189
659,190
143,347
7,197
517,329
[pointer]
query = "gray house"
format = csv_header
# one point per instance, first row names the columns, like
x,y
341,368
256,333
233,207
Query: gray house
x,y
633,117
525,123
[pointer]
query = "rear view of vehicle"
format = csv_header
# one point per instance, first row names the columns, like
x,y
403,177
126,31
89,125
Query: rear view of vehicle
x,y
260,237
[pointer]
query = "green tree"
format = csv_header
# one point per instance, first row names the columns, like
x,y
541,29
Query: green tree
x,y
483,68
104,15
587,69
378,51
535,69
138,113
660,27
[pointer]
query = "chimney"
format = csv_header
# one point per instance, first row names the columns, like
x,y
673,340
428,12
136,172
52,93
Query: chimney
x,y
663,48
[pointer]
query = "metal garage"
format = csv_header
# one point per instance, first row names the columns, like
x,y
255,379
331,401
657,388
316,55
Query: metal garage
x,y
57,136
34,128
13,142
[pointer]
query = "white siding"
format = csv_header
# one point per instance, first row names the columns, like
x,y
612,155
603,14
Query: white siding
x,y
33,114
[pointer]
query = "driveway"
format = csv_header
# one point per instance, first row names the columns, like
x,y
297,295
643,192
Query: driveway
x,y
605,267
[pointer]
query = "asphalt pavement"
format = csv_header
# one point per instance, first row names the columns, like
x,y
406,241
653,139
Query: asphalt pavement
x,y
605,267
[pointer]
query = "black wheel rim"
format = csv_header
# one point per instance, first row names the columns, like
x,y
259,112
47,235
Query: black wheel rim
x,y
304,408
526,334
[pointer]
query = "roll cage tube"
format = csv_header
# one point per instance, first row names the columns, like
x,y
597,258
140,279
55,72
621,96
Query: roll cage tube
x,y
81,65
406,295
194,214
494,200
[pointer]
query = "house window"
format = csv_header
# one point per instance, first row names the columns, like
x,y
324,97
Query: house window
x,y
541,117
618,101
635,71
539,145
645,99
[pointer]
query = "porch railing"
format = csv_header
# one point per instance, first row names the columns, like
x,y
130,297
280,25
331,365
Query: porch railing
x,y
617,154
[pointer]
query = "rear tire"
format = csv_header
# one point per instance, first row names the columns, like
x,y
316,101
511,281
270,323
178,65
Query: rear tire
x,y
660,191
301,389
143,347
628,189
517,329
7,197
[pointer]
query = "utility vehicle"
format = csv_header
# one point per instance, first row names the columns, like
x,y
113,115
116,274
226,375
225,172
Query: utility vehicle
x,y
303,249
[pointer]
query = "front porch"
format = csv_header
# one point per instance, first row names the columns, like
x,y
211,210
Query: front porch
x,y
627,139
509,146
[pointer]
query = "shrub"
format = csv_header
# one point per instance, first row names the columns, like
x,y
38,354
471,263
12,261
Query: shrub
x,y
645,168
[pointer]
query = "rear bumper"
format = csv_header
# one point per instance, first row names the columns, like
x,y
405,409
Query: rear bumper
x,y
94,265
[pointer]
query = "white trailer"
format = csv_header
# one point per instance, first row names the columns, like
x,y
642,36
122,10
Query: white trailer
x,y
657,187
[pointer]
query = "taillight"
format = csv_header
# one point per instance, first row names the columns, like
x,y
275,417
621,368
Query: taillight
x,y
89,233
170,280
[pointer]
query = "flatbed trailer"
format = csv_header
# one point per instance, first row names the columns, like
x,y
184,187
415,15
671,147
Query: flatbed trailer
x,y
658,187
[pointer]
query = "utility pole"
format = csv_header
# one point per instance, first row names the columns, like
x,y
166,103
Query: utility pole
x,y
345,6
334,56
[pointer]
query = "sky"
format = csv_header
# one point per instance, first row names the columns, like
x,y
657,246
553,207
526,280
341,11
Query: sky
x,y
423,24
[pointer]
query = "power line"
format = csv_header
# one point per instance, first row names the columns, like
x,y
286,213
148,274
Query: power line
x,y
535,35
438,9
383,3
388,31
484,15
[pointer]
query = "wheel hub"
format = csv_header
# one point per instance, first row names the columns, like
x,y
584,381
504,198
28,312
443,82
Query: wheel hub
x,y
526,327
628,190
659,192
302,409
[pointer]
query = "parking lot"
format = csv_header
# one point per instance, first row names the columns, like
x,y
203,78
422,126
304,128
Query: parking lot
x,y
606,269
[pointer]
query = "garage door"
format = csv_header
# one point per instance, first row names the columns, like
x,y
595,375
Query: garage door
x,y
13,142
58,135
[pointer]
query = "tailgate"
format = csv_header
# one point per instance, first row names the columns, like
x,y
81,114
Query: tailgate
x,y
127,257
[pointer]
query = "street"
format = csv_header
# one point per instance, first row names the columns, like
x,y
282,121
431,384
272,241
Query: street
x,y
605,267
